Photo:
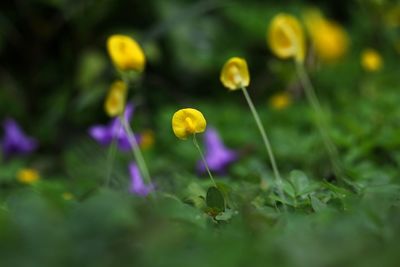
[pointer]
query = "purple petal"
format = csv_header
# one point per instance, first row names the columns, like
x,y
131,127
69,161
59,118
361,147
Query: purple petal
x,y
105,134
129,111
124,144
217,156
15,141
212,140
116,124
137,185
102,134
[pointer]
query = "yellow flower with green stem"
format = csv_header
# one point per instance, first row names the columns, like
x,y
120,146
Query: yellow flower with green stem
x,y
188,122
234,76
127,55
286,40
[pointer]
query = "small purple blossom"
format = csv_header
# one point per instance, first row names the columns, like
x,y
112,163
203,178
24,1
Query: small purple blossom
x,y
218,157
105,134
15,141
137,186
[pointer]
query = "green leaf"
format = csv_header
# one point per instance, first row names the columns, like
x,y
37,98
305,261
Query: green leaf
x,y
225,216
287,201
317,204
215,199
175,209
90,68
299,181
8,171
289,189
339,191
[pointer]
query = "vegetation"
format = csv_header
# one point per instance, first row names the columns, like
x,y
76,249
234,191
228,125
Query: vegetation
x,y
208,133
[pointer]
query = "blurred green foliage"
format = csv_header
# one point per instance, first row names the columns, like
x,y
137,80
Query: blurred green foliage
x,y
54,74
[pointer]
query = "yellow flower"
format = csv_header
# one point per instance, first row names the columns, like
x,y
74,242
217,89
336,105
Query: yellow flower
x,y
126,53
115,100
67,196
329,39
286,38
235,74
28,176
280,101
147,139
188,121
371,60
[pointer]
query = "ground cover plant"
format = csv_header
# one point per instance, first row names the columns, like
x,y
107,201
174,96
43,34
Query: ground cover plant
x,y
199,133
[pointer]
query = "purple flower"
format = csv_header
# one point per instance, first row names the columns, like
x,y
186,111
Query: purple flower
x,y
218,157
105,134
15,141
137,185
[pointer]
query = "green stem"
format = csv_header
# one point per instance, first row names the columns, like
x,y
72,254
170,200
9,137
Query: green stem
x,y
137,153
136,150
266,143
320,121
203,159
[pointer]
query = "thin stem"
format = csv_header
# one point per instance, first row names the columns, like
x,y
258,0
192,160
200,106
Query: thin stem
x,y
136,150
203,159
137,153
267,144
320,121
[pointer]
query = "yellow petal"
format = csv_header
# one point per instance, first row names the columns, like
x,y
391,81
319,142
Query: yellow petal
x,y
147,139
371,60
286,38
126,53
67,196
116,98
188,121
280,101
28,176
235,74
329,39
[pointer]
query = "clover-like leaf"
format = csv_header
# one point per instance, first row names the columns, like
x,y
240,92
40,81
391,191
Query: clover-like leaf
x,y
215,199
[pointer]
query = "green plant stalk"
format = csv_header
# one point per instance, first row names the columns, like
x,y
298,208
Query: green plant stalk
x,y
137,153
267,144
320,121
203,159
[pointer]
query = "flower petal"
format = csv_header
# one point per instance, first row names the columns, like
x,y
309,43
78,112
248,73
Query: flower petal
x,y
216,154
15,141
102,134
137,185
